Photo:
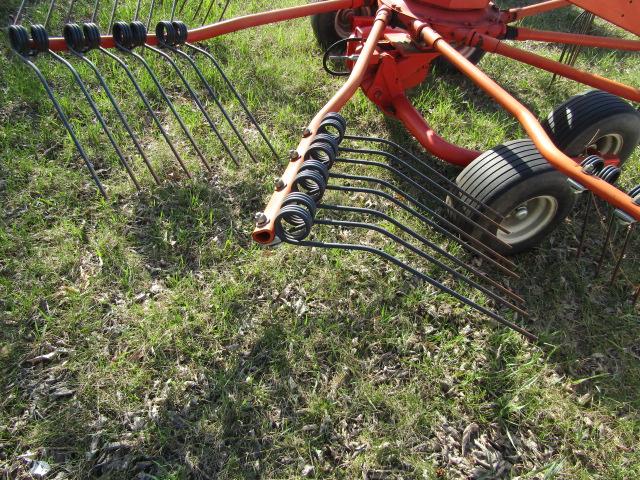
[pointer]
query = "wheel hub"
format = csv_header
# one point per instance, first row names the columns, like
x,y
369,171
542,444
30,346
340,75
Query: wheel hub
x,y
528,219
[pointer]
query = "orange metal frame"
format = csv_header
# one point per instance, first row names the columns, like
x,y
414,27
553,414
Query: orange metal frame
x,y
386,68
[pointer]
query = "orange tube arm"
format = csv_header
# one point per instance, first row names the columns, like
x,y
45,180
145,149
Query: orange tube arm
x,y
531,125
235,24
576,39
265,234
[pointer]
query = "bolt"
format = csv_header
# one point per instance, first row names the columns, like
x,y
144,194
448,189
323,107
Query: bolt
x,y
280,184
294,155
522,212
306,132
261,219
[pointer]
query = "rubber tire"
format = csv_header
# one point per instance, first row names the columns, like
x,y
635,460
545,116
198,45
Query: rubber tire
x,y
507,176
574,124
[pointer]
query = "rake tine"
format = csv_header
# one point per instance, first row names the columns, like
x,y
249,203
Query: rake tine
x,y
184,3
224,10
18,13
195,14
423,189
235,94
627,237
123,32
478,273
145,100
206,15
98,115
94,15
433,225
70,11
420,205
135,17
636,297
585,223
421,253
113,14
581,24
49,13
173,9
153,4
603,254
19,44
423,164
417,273
74,35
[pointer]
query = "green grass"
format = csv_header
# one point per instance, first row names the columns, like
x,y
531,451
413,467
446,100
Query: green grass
x,y
186,351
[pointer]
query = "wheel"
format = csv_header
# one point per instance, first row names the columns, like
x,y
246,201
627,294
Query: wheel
x,y
516,181
594,122
333,26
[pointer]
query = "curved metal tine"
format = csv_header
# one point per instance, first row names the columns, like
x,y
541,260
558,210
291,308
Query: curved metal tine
x,y
224,10
49,14
16,17
432,224
184,4
235,94
173,10
113,14
605,245
212,92
94,15
376,213
585,223
197,101
121,115
206,15
417,273
420,205
98,115
166,98
65,122
415,184
137,14
153,4
67,18
426,256
627,238
197,11
427,167
636,297
145,100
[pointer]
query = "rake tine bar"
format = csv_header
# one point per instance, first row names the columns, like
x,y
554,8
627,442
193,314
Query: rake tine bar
x,y
153,4
625,245
451,184
415,184
479,274
18,13
49,13
145,100
20,44
77,43
233,90
113,14
607,238
224,10
94,15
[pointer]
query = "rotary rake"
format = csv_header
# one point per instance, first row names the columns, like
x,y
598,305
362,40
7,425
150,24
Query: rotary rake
x,y
366,194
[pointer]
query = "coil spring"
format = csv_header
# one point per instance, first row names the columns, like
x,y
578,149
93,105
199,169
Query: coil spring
x,y
312,178
40,38
294,222
335,125
91,35
19,39
610,174
171,33
592,164
635,194
74,37
129,35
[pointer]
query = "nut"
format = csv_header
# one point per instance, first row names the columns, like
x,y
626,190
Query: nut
x,y
260,218
294,155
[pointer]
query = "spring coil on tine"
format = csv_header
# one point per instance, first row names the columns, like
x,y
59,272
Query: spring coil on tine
x,y
312,179
298,210
592,165
335,125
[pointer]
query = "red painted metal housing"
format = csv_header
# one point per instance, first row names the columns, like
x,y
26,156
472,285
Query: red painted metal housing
x,y
624,13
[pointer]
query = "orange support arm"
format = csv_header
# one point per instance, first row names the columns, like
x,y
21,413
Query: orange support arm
x,y
514,14
265,234
531,125
235,24
491,44
522,33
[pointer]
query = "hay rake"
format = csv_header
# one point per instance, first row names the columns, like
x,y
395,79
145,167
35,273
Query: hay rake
x,y
504,201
